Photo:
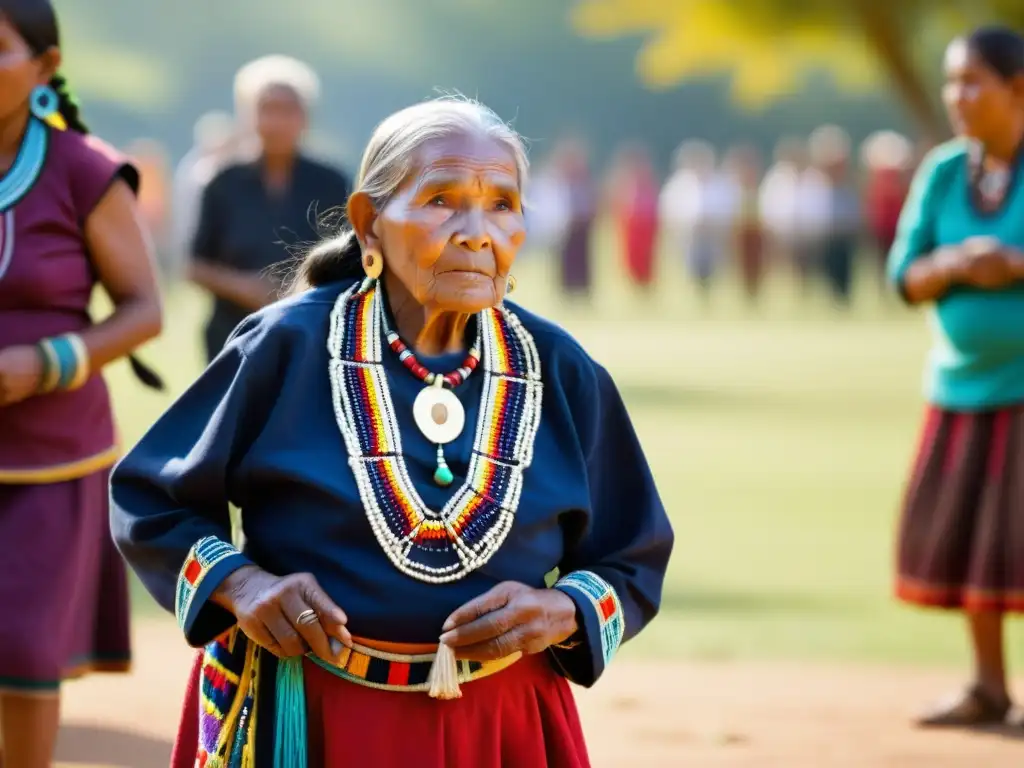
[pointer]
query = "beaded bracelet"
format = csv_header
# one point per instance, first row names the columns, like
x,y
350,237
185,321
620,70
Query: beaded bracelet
x,y
65,363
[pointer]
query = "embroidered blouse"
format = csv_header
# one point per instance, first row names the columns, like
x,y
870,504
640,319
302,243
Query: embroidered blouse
x,y
46,282
258,430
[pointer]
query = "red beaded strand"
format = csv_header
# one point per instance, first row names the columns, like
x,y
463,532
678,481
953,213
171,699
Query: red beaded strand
x,y
417,369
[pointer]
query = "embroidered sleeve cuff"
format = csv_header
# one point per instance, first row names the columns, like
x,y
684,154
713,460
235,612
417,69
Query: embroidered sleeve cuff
x,y
602,627
209,562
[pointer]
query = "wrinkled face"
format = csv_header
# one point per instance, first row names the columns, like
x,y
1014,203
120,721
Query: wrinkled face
x,y
978,100
280,120
452,231
20,70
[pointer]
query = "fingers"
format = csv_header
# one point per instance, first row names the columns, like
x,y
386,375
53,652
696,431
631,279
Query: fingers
x,y
332,618
492,600
259,634
482,630
289,641
492,615
496,648
291,616
306,621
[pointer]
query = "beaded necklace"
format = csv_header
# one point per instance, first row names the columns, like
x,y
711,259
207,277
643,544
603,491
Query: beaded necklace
x,y
16,183
27,165
437,412
435,546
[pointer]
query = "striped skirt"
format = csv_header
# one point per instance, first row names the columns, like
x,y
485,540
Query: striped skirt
x,y
961,540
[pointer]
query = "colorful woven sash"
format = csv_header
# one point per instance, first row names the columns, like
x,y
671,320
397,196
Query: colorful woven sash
x,y
229,694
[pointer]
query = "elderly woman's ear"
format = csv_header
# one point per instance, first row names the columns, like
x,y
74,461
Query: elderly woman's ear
x,y
362,215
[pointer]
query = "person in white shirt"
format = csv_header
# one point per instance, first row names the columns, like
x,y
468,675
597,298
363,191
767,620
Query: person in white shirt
x,y
697,207
779,202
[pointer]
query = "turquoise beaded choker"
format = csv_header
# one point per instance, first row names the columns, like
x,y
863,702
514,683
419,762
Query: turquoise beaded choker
x,y
28,165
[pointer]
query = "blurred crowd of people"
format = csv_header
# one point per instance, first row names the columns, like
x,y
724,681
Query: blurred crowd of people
x,y
814,209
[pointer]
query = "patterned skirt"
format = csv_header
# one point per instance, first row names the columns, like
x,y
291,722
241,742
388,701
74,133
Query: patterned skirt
x,y
961,542
521,717
64,590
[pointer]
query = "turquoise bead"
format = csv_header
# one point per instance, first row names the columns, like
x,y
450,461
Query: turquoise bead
x,y
443,476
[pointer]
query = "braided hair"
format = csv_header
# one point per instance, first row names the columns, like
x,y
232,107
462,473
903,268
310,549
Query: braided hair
x,y
67,105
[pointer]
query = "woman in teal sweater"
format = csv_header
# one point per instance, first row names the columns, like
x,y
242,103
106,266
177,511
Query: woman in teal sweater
x,y
959,250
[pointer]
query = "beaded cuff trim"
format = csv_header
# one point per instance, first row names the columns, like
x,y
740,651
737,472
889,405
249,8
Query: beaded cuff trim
x,y
602,597
203,556
435,546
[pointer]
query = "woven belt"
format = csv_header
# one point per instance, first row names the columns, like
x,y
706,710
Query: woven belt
x,y
387,670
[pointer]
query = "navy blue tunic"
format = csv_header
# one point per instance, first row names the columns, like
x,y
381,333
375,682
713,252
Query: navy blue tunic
x,y
258,430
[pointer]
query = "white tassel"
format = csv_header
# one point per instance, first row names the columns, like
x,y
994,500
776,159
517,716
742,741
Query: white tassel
x,y
444,675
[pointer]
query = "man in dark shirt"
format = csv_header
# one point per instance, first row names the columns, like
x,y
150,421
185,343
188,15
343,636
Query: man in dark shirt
x,y
252,211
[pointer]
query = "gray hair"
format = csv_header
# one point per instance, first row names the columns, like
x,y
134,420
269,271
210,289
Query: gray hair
x,y
257,77
391,157
391,153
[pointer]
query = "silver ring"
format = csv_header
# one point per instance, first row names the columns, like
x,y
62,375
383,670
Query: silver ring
x,y
308,616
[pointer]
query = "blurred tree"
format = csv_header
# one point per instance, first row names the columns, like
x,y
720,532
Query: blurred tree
x,y
771,45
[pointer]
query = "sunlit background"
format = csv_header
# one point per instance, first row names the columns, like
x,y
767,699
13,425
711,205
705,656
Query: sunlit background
x,y
780,432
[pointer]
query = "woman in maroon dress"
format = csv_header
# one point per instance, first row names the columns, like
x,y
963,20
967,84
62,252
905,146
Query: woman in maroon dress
x,y
68,219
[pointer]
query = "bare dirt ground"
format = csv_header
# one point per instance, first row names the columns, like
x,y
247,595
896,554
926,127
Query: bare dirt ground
x,y
642,715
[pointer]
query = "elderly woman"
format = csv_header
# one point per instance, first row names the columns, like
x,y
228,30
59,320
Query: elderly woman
x,y
958,249
251,209
413,456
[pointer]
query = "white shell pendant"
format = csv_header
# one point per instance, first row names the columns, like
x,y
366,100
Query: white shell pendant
x,y
439,414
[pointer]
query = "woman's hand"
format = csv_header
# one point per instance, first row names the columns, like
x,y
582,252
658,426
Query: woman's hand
x,y
986,263
289,615
21,370
511,617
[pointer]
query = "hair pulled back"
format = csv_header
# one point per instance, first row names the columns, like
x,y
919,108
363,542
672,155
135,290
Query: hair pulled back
x,y
389,158
1001,49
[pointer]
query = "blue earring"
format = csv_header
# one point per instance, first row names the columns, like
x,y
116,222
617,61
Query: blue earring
x,y
44,102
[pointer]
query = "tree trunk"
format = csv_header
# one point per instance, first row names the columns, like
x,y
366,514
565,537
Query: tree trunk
x,y
883,27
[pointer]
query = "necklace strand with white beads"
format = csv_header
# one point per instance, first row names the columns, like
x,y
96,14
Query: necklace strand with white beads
x,y
446,545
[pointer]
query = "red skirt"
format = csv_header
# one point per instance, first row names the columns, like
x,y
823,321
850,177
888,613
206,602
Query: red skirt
x,y
522,717
961,542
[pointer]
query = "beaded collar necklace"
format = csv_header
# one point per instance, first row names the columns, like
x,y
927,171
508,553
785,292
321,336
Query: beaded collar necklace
x,y
27,166
446,545
19,179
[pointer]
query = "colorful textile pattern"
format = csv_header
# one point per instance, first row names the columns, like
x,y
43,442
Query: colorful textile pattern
x,y
435,547
227,694
602,598
202,558
387,671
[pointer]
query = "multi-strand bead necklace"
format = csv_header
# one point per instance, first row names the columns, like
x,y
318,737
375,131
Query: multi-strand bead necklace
x,y
435,546
437,411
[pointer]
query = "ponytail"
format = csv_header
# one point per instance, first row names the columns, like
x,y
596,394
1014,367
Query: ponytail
x,y
332,261
67,105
